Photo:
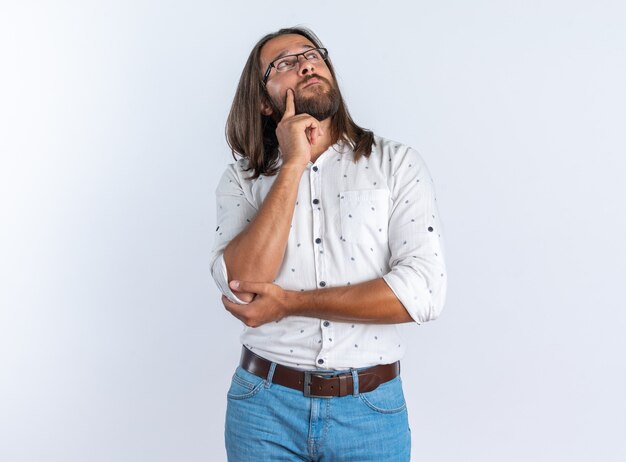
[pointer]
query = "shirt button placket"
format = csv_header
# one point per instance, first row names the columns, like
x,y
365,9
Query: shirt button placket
x,y
327,335
314,182
318,236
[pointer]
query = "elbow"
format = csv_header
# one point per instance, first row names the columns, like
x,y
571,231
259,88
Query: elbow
x,y
245,297
436,302
422,293
222,280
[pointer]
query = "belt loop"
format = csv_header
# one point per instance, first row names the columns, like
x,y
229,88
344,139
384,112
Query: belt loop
x,y
270,375
355,382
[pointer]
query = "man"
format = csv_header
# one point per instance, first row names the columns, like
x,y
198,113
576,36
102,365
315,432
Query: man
x,y
327,238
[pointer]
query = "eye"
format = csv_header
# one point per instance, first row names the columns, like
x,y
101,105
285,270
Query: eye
x,y
313,55
285,63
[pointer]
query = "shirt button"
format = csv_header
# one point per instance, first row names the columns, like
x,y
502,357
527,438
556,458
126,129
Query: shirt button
x,y
318,240
326,324
315,168
316,201
320,361
322,283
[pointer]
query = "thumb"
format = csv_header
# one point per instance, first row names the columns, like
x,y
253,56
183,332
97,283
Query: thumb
x,y
246,286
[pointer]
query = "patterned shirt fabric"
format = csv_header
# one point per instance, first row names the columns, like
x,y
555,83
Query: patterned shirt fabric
x,y
353,222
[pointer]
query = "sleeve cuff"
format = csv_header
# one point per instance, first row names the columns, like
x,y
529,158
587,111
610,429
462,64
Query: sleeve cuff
x,y
400,290
220,276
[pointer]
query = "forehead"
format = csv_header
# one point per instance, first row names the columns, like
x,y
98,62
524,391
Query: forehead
x,y
283,45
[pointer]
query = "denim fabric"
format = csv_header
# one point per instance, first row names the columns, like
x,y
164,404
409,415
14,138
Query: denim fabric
x,y
269,422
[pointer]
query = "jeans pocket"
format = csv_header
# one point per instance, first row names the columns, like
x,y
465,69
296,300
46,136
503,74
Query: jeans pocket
x,y
244,384
387,398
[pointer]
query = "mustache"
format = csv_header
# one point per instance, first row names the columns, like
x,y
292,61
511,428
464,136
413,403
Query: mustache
x,y
321,79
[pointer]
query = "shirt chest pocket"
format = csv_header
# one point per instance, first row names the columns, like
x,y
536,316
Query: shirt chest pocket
x,y
364,215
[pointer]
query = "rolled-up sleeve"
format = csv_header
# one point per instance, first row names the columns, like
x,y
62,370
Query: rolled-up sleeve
x,y
234,211
418,274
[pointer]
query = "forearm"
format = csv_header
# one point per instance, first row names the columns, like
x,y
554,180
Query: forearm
x,y
257,252
368,302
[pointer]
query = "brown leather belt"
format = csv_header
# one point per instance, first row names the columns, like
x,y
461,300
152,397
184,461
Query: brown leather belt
x,y
323,384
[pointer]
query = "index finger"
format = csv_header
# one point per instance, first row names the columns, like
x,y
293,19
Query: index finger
x,y
290,109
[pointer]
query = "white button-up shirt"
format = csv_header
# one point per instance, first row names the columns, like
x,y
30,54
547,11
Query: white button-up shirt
x,y
353,222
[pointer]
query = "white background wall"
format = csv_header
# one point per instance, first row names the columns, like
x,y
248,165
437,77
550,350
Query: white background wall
x,y
114,345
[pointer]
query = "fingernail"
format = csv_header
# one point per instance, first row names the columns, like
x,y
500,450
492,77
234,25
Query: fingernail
x,y
234,284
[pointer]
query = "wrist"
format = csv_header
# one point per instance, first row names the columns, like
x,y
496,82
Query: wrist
x,y
293,302
293,166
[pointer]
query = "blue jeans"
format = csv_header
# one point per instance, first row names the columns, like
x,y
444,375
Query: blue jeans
x,y
269,422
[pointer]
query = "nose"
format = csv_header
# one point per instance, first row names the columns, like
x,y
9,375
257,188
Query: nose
x,y
305,66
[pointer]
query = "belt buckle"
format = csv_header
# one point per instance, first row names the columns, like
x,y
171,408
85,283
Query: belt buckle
x,y
307,383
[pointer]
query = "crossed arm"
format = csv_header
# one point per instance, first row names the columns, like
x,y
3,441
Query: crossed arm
x,y
413,291
368,302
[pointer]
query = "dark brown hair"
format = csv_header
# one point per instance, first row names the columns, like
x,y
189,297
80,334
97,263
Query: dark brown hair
x,y
253,135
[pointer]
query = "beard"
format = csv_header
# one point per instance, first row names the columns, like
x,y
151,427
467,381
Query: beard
x,y
320,101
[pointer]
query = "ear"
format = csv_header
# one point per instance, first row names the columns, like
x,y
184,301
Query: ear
x,y
266,109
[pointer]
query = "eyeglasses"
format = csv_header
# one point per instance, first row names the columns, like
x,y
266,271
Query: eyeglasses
x,y
286,63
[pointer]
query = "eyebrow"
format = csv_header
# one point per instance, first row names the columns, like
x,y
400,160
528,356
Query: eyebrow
x,y
286,52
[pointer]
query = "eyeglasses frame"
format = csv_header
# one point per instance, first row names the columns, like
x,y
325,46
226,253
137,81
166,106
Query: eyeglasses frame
x,y
269,67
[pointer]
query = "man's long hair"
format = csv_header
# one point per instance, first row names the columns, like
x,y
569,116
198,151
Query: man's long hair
x,y
251,134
